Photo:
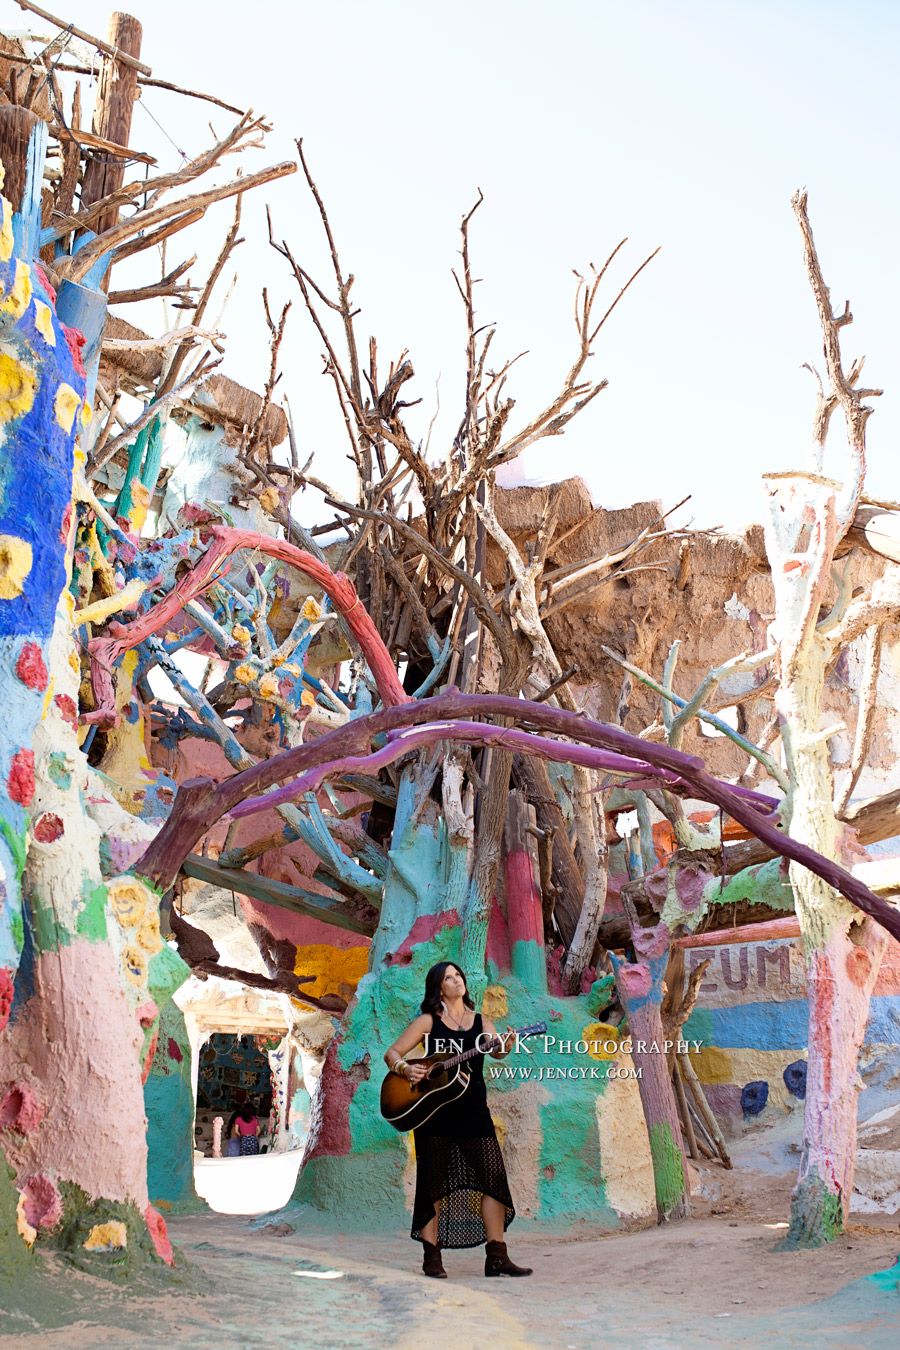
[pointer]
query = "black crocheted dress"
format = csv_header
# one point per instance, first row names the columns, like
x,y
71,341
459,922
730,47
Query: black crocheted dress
x,y
458,1159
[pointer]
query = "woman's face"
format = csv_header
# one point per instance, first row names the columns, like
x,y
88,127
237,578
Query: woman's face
x,y
453,985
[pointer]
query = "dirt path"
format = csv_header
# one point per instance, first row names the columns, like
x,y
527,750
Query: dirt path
x,y
712,1283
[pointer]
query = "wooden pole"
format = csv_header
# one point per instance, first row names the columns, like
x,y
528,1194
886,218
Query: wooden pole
x,y
710,1121
112,116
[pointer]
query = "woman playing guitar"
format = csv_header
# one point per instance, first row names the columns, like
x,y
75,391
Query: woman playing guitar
x,y
462,1194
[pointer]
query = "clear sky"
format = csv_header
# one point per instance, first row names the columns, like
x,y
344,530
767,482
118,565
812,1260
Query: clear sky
x,y
684,123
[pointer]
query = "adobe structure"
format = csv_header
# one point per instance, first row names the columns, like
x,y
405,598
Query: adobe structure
x,y
256,779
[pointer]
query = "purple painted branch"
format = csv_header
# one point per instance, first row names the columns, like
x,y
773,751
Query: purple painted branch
x,y
401,742
186,825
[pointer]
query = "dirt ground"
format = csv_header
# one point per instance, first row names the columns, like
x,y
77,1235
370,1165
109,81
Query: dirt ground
x,y
712,1282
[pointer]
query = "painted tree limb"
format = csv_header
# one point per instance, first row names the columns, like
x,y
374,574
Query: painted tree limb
x,y
639,985
843,385
195,812
748,661
531,775
226,541
295,898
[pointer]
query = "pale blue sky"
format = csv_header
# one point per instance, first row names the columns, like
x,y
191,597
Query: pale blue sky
x,y
686,124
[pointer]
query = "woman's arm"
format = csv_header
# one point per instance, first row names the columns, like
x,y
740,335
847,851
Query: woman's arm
x,y
406,1041
502,1049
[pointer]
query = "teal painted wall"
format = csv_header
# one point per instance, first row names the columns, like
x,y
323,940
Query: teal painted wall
x,y
169,1104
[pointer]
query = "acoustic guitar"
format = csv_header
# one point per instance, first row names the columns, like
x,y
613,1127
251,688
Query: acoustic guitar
x,y
408,1105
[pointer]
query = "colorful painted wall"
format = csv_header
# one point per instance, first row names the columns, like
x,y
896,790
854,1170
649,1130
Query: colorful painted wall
x,y
169,1105
232,1069
752,1019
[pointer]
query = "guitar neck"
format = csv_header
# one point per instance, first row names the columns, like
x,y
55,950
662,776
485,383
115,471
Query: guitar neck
x,y
522,1033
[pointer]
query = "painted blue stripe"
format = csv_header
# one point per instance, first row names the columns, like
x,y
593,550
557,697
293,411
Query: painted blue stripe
x,y
785,1026
762,1026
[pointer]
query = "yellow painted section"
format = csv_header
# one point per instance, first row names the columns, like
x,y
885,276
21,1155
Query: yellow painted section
x,y
106,1237
17,386
110,604
43,322
15,564
140,500
65,406
597,1034
337,972
134,963
624,1146
23,1227
268,686
240,634
712,1065
244,674
494,1004
19,298
6,230
148,935
311,610
51,685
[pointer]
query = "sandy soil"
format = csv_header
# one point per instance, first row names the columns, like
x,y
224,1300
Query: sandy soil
x,y
715,1281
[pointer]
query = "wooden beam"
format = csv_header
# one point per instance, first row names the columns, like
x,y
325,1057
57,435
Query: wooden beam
x,y
769,931
294,898
112,115
126,57
92,142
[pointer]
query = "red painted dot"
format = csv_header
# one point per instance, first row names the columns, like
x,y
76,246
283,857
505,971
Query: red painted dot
x,y
76,341
48,828
44,282
68,711
175,1050
66,523
20,783
6,996
30,667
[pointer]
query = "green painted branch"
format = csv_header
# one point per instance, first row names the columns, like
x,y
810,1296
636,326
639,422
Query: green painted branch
x,y
775,771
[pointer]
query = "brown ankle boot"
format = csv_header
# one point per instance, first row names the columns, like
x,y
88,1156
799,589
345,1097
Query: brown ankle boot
x,y
497,1261
431,1261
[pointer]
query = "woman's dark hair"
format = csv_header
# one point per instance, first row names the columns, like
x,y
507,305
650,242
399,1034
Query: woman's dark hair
x,y
432,1001
247,1113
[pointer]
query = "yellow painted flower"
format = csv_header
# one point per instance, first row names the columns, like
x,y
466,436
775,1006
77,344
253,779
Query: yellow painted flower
x,y
17,387
128,901
268,686
134,961
311,610
43,322
107,1237
148,935
240,634
245,674
15,565
65,405
19,297
308,699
